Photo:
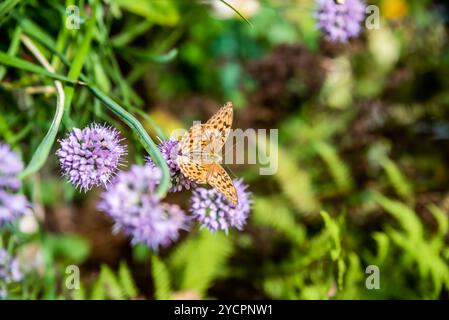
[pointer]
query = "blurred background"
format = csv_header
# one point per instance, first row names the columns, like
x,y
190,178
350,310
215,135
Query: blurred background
x,y
363,147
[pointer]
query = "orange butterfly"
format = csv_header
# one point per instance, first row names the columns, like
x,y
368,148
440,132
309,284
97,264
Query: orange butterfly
x,y
199,159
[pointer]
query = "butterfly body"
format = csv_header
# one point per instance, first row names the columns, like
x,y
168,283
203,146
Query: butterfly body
x,y
199,158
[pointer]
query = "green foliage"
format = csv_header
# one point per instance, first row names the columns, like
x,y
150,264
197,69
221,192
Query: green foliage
x,y
68,248
161,12
296,184
281,219
200,260
422,251
109,285
338,169
161,278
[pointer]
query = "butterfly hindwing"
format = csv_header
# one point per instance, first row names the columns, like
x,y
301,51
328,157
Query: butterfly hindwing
x,y
195,171
221,181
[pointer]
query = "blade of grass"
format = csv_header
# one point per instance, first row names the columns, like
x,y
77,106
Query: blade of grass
x,y
78,61
132,32
41,154
236,11
13,48
6,7
18,63
144,55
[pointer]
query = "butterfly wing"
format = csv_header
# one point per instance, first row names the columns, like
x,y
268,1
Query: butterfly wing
x,y
219,179
220,125
210,136
193,140
195,171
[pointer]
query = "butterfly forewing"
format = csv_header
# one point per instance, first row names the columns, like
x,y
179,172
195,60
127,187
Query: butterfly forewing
x,y
220,125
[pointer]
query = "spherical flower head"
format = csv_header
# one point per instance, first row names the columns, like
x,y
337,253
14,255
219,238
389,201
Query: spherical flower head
x,y
91,157
213,211
340,22
9,271
10,166
137,211
12,207
170,152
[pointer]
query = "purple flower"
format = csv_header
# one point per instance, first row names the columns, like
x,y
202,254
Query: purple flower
x,y
10,166
215,212
339,22
170,151
9,272
138,212
12,207
90,157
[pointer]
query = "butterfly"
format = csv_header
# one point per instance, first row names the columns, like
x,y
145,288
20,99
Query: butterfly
x,y
199,158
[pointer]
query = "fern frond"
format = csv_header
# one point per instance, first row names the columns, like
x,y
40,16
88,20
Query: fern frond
x,y
296,184
126,281
161,278
271,212
337,168
208,254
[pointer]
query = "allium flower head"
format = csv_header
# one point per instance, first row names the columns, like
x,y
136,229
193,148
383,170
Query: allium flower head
x,y
340,22
138,212
10,166
170,151
90,157
215,212
9,271
12,207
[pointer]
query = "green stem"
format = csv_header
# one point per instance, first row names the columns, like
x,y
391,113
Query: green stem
x,y
142,135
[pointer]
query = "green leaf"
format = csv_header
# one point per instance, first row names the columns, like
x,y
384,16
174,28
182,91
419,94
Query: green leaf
x,y
144,55
333,229
71,248
441,218
13,48
41,154
207,255
283,221
296,184
236,11
406,217
126,281
337,167
161,278
397,179
160,12
110,283
31,67
7,7
78,61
